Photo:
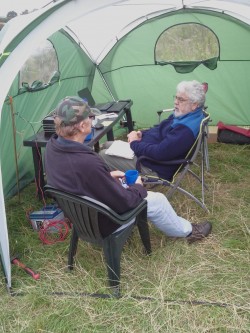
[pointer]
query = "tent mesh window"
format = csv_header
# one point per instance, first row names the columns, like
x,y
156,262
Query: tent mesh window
x,y
186,46
40,70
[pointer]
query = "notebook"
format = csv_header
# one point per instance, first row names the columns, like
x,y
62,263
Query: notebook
x,y
121,149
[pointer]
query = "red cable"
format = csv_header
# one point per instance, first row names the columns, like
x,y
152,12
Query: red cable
x,y
54,231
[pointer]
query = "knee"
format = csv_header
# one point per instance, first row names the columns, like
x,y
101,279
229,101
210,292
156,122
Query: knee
x,y
106,145
156,199
102,152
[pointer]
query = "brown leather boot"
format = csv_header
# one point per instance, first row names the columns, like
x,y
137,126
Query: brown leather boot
x,y
199,231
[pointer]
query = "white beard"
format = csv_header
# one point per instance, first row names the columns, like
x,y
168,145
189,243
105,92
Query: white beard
x,y
177,113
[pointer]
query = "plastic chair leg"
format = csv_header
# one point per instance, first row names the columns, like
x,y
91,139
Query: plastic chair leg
x,y
72,248
142,225
112,247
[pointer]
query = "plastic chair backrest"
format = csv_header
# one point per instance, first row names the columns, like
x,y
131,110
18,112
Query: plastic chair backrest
x,y
84,211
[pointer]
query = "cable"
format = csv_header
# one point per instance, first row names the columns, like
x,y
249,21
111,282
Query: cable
x,y
148,298
28,212
50,231
140,298
54,231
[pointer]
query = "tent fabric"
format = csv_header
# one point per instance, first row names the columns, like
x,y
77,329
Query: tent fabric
x,y
188,67
4,243
108,47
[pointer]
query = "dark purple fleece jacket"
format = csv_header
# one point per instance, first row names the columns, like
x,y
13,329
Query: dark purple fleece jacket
x,y
76,168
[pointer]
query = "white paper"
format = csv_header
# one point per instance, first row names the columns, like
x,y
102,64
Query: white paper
x,y
107,116
121,149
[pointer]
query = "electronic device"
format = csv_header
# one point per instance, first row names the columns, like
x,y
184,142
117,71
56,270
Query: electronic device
x,y
49,212
106,106
117,106
48,126
86,95
109,107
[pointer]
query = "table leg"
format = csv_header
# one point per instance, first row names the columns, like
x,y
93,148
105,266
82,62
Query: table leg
x,y
97,147
110,135
38,165
129,120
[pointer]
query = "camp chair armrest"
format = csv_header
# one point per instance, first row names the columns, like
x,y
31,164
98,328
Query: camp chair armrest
x,y
173,162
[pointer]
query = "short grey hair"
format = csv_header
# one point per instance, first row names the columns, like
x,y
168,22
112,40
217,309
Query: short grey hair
x,y
194,91
66,131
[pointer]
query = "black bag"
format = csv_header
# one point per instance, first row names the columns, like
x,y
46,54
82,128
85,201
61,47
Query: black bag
x,y
232,134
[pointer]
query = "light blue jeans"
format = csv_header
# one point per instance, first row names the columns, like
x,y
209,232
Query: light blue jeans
x,y
160,211
163,216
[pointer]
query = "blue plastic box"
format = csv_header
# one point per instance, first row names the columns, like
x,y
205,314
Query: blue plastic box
x,y
49,212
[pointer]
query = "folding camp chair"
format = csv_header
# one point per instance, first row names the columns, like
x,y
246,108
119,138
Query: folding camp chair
x,y
184,166
83,212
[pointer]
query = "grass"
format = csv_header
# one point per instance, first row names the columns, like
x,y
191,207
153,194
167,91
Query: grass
x,y
161,293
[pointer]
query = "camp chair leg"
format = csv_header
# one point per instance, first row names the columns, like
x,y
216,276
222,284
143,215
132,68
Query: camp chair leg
x,y
200,179
206,156
205,147
195,176
199,202
176,186
199,149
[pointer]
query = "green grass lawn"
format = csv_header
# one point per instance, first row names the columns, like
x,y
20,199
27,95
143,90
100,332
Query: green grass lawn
x,y
202,287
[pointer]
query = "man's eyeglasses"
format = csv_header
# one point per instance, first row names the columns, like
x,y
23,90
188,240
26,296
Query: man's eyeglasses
x,y
180,99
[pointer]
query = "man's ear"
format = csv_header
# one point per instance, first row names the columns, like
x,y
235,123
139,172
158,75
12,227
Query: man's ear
x,y
82,126
194,106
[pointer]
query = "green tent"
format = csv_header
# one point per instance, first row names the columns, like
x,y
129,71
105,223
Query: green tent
x,y
119,50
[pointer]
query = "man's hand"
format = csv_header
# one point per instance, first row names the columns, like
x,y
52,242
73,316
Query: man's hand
x,y
139,181
134,135
117,174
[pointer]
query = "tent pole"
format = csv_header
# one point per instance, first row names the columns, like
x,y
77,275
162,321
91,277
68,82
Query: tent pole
x,y
105,82
14,138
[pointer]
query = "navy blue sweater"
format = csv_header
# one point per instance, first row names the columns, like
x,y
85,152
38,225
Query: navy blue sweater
x,y
171,139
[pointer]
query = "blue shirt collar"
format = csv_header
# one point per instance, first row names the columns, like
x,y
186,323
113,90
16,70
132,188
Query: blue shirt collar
x,y
196,111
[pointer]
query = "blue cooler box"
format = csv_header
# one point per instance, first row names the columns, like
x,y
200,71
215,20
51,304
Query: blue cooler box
x,y
47,213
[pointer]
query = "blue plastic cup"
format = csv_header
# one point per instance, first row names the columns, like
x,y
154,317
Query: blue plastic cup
x,y
131,176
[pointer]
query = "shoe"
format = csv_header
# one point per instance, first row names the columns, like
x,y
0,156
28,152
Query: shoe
x,y
199,231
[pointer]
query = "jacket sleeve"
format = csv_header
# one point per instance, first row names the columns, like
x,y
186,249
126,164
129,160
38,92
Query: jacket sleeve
x,y
175,143
110,191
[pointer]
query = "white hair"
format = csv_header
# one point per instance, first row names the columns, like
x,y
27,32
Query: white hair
x,y
194,91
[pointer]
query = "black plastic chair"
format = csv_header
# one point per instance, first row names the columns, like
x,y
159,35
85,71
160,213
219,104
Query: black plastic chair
x,y
83,213
184,166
